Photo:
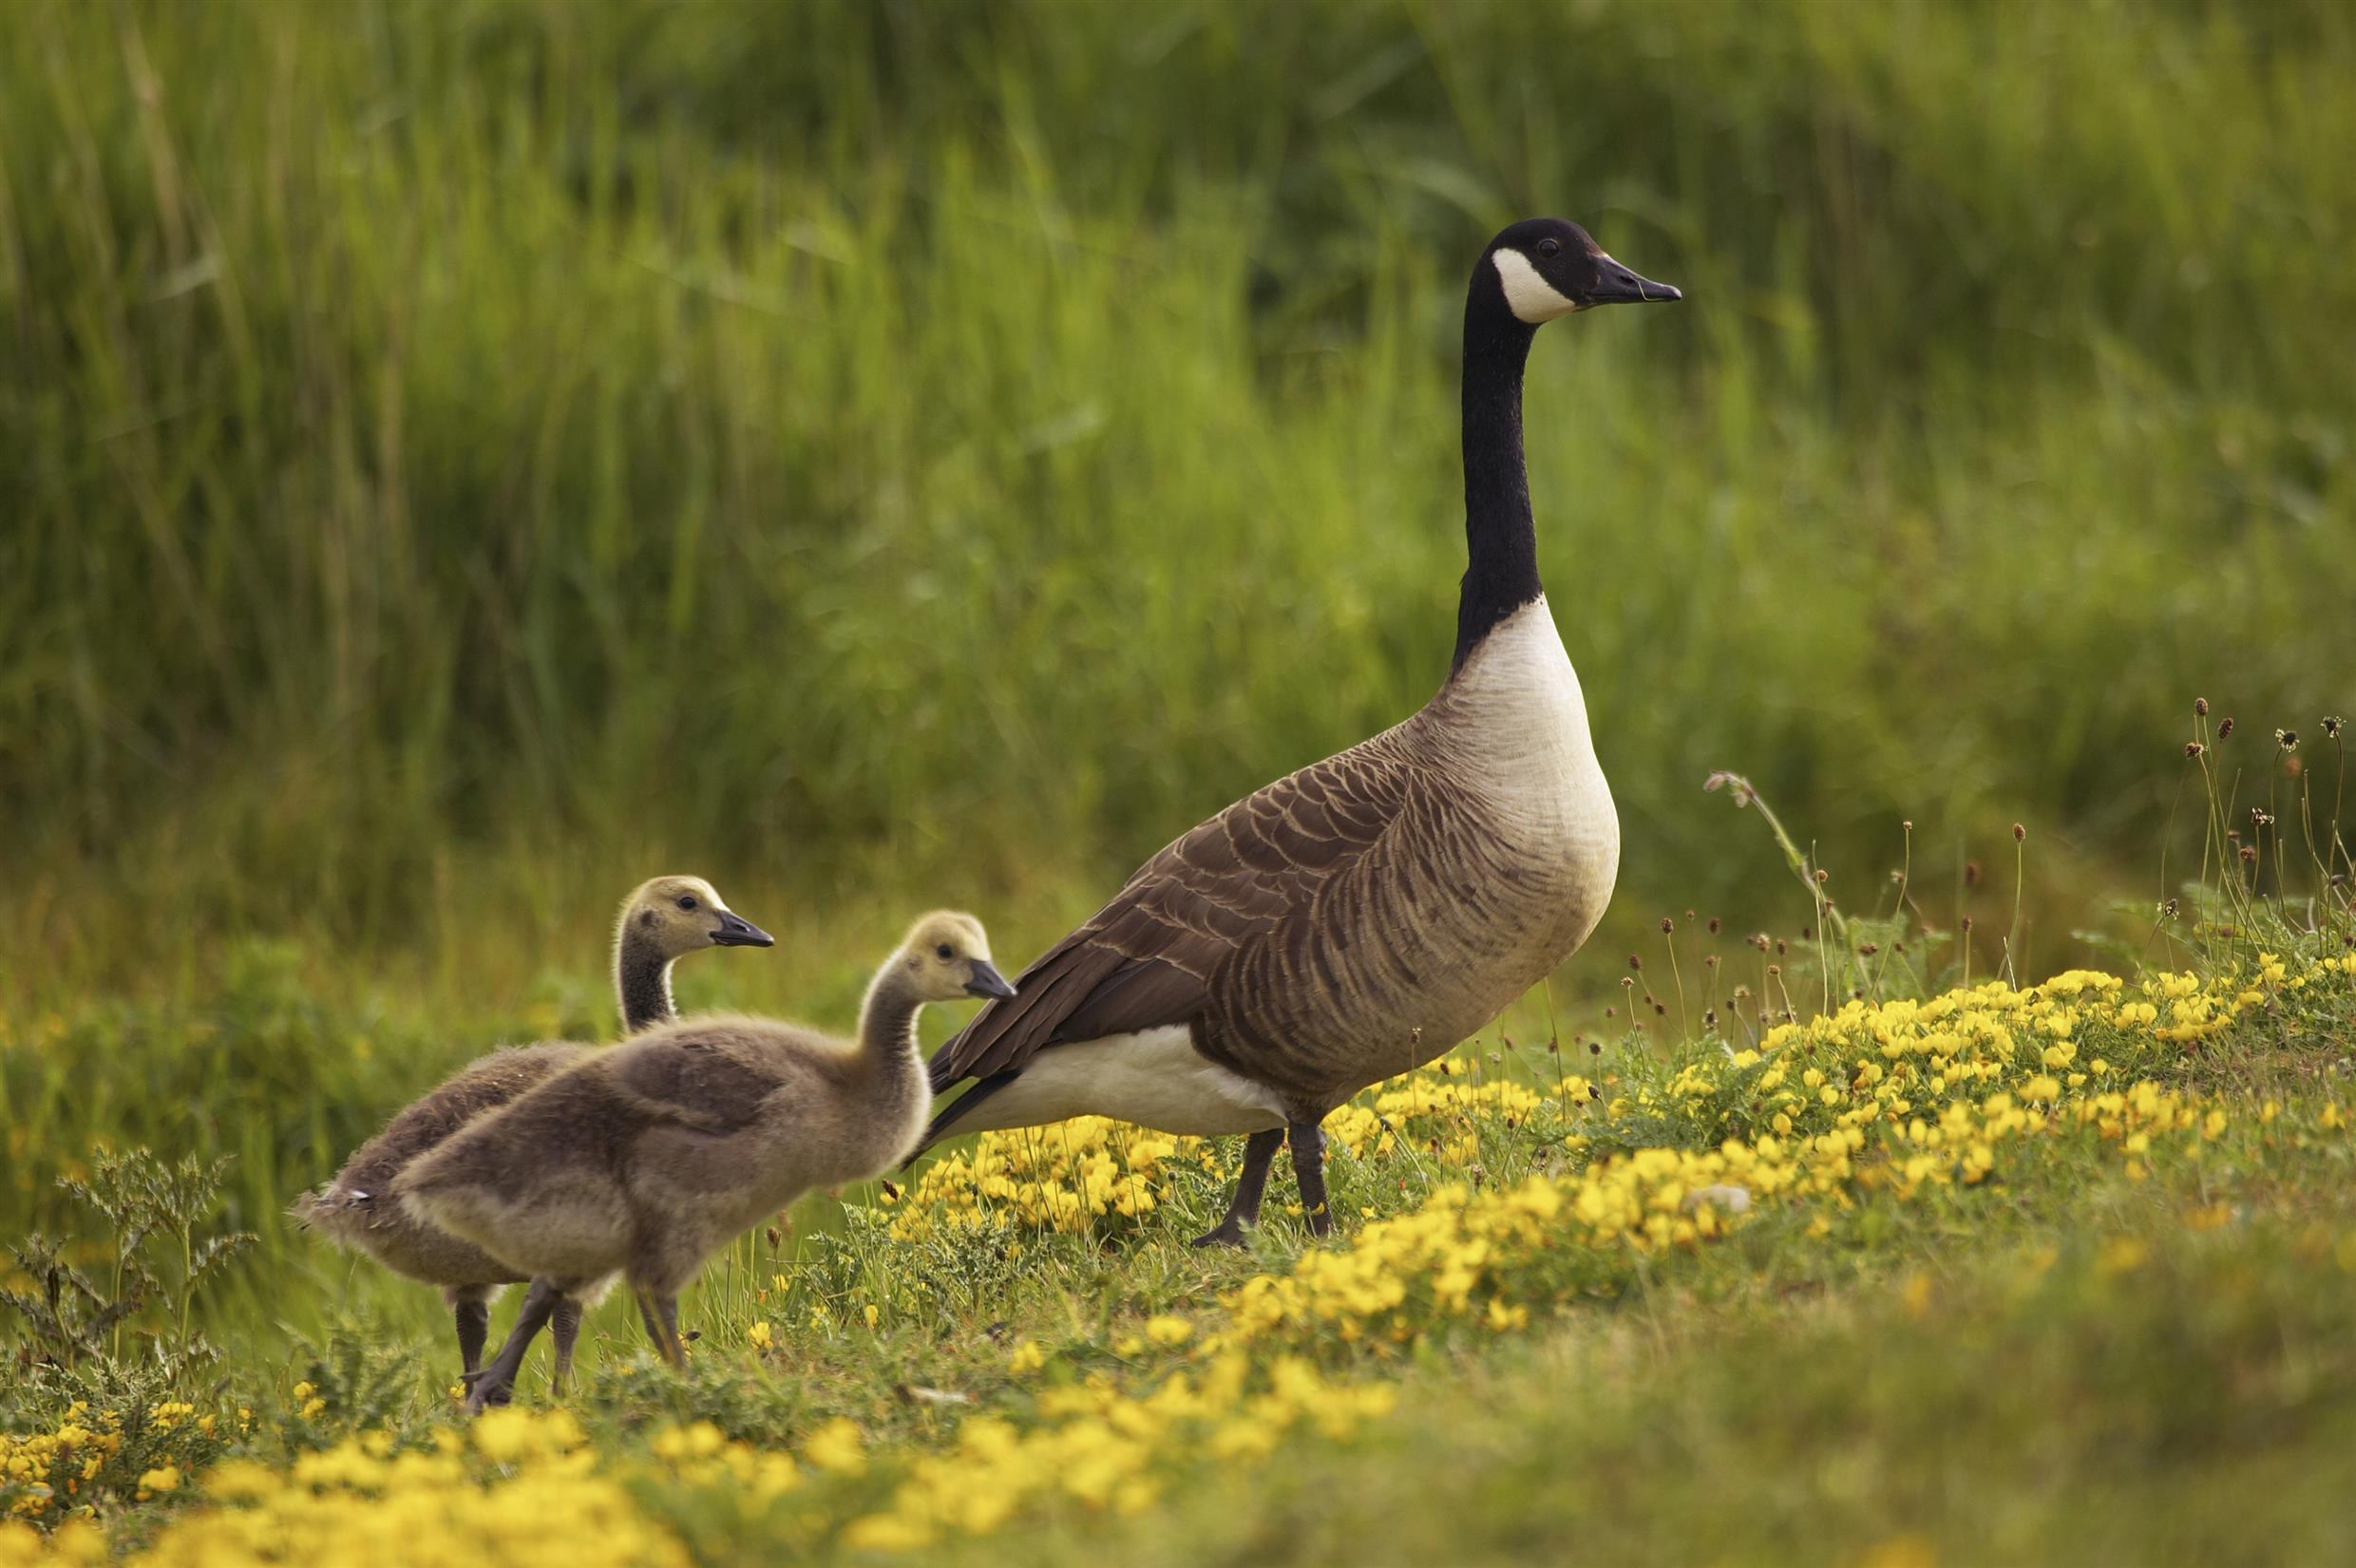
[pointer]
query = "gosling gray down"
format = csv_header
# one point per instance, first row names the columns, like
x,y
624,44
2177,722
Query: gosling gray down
x,y
647,1159
1361,917
662,921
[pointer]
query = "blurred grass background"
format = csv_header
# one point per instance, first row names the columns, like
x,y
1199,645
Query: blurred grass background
x,y
463,456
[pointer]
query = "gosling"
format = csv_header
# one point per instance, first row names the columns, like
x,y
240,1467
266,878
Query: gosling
x,y
662,921
647,1159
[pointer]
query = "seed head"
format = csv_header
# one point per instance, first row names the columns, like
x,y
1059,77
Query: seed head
x,y
2019,833
1824,876
2287,739
1869,948
1966,922
2200,706
2249,853
1971,873
2225,727
1667,926
2193,748
2331,727
1634,962
1713,925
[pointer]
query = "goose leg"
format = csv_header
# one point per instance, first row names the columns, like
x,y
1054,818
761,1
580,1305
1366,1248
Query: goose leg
x,y
473,1316
660,1313
1308,1142
495,1384
563,1329
1244,1207
668,1308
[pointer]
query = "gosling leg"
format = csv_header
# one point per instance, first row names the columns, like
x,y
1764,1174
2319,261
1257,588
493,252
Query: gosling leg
x,y
1308,1141
563,1329
495,1384
667,1306
473,1316
1250,1186
660,1313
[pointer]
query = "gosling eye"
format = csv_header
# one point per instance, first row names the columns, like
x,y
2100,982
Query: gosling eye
x,y
686,900
1549,247
945,951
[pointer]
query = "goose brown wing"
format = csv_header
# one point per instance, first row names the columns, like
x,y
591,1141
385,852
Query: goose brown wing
x,y
1153,956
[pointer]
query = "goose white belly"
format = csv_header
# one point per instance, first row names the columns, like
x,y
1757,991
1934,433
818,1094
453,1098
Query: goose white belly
x,y
1155,1078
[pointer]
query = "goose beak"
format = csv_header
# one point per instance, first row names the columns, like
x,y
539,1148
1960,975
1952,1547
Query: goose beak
x,y
987,981
735,931
1619,286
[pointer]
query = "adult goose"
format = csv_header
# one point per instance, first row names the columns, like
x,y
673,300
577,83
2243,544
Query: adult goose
x,y
661,923
1361,915
645,1159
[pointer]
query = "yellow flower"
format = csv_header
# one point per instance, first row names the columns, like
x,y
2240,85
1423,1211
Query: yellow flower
x,y
162,1479
758,1336
1166,1330
2124,1256
835,1447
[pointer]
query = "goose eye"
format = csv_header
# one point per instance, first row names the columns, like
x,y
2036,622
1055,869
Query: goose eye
x,y
945,951
1549,247
686,900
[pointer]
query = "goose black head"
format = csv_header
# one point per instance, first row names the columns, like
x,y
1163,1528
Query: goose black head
x,y
1549,267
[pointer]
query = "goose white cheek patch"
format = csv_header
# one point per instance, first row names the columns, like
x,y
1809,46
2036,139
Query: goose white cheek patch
x,y
1531,298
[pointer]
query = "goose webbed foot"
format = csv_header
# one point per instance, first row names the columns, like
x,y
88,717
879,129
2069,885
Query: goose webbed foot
x,y
1228,1233
1308,1141
1250,1186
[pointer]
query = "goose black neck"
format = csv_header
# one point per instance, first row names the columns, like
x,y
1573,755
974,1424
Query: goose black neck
x,y
1501,538
643,977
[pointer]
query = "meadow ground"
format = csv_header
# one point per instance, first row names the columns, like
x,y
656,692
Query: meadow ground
x,y
1998,1273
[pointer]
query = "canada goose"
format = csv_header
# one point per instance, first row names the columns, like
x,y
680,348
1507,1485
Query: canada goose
x,y
661,923
1361,915
647,1159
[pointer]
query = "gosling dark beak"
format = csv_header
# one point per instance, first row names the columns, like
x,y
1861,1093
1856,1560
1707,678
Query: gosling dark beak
x,y
735,931
987,981
1619,286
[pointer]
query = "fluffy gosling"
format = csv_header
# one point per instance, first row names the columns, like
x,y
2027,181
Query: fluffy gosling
x,y
647,1159
663,921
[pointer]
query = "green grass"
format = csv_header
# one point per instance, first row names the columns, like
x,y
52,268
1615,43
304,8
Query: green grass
x,y
2196,1410
2096,1351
